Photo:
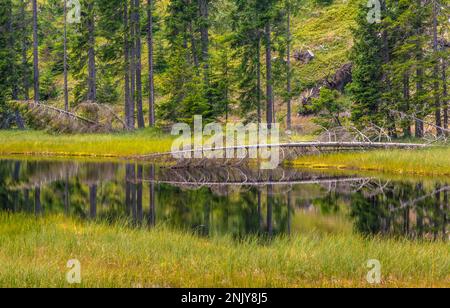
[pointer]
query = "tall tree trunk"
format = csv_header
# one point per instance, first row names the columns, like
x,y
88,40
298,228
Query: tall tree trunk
x,y
126,50
14,75
204,33
436,87
420,79
258,77
270,114
151,76
386,53
66,90
445,93
288,66
406,97
193,46
92,78
137,24
35,52
132,66
25,77
12,50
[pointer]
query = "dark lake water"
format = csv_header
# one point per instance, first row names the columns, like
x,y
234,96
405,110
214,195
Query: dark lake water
x,y
233,201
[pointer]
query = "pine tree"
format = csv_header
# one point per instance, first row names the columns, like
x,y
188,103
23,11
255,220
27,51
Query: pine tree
x,y
247,41
151,71
35,51
366,87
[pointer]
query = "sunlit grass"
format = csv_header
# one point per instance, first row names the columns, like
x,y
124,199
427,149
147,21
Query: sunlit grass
x,y
431,161
102,145
34,253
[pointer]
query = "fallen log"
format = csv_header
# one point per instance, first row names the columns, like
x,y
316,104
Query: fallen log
x,y
332,145
60,111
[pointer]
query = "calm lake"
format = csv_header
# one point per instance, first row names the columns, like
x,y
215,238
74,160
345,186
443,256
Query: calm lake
x,y
229,201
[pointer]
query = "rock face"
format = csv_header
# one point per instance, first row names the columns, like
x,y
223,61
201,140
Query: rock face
x,y
304,56
338,81
342,78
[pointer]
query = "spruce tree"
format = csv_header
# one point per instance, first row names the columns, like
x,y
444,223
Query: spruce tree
x,y
366,88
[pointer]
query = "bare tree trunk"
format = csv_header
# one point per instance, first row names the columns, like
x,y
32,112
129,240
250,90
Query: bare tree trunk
x,y
25,80
258,85
419,83
288,65
151,76
386,58
14,75
193,46
12,50
66,91
92,78
270,108
436,87
406,97
445,92
126,49
137,24
35,52
204,33
132,66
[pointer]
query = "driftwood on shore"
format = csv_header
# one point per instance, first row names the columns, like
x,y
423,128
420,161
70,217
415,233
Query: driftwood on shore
x,y
287,151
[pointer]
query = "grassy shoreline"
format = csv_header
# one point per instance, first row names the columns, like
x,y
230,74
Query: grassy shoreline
x,y
34,253
424,162
118,145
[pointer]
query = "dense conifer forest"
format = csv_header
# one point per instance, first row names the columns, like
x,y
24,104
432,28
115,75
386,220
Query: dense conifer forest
x,y
157,62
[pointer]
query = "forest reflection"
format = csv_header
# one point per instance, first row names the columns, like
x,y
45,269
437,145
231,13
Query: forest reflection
x,y
236,202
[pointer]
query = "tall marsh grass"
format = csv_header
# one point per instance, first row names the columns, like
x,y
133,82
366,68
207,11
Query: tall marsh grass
x,y
430,161
34,253
101,145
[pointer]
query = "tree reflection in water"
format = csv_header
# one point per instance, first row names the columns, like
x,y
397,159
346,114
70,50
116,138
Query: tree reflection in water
x,y
235,201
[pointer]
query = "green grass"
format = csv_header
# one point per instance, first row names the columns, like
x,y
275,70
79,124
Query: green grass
x,y
99,145
325,30
431,161
34,253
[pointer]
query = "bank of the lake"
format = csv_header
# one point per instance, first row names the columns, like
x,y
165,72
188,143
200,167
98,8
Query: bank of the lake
x,y
34,253
116,145
433,161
